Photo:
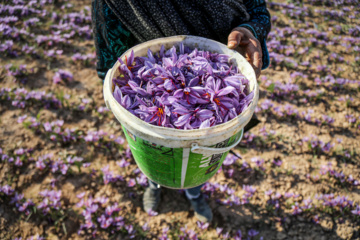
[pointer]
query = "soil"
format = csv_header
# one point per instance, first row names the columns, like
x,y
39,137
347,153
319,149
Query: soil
x,y
294,175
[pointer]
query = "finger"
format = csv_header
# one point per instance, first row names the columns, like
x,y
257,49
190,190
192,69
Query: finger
x,y
257,60
234,39
255,54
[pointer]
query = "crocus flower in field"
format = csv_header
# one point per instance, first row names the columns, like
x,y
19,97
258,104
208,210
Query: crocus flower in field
x,y
202,226
296,209
131,182
356,211
269,192
122,163
238,235
250,190
62,75
152,213
145,227
277,162
252,233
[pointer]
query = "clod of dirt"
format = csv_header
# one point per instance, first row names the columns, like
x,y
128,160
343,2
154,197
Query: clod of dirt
x,y
345,230
281,236
327,223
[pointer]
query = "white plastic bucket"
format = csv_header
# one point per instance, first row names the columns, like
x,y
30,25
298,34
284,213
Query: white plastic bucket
x,y
181,158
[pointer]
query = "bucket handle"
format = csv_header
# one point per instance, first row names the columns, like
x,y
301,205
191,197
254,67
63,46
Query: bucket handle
x,y
208,151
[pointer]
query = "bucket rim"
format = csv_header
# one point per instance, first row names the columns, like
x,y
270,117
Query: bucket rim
x,y
108,83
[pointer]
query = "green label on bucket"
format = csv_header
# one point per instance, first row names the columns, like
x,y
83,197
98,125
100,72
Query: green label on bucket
x,y
159,163
175,167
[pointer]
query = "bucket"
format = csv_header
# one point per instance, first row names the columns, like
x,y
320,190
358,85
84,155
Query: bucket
x,y
176,158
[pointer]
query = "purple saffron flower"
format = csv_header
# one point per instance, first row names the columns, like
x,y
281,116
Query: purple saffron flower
x,y
316,219
152,213
145,227
191,118
131,182
62,75
202,226
277,162
307,204
123,163
81,195
47,127
21,119
219,230
252,233
269,192
18,162
356,211
296,209
104,221
19,151
226,235
238,235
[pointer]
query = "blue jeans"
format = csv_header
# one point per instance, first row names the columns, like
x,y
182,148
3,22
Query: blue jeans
x,y
191,193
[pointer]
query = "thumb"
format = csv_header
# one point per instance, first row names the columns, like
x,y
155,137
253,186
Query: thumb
x,y
234,39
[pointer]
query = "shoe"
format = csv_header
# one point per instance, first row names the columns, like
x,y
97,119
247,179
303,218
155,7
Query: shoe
x,y
151,199
201,208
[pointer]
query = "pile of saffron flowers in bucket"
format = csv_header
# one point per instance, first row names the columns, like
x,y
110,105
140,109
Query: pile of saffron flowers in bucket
x,y
188,89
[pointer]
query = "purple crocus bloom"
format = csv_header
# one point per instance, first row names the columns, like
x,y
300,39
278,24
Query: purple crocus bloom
x,y
252,233
157,113
269,192
219,230
47,127
277,162
101,200
152,213
123,163
226,235
307,204
131,182
142,180
192,93
23,207
223,188
296,209
7,190
202,226
191,118
62,75
110,209
104,221
145,227
250,190
93,208
81,195
316,219
221,103
238,235
230,173
17,198
230,159
18,162
356,211
21,119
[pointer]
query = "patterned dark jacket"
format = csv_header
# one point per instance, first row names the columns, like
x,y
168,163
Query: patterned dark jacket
x,y
120,24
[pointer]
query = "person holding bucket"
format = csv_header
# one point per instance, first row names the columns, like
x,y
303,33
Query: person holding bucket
x,y
121,24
